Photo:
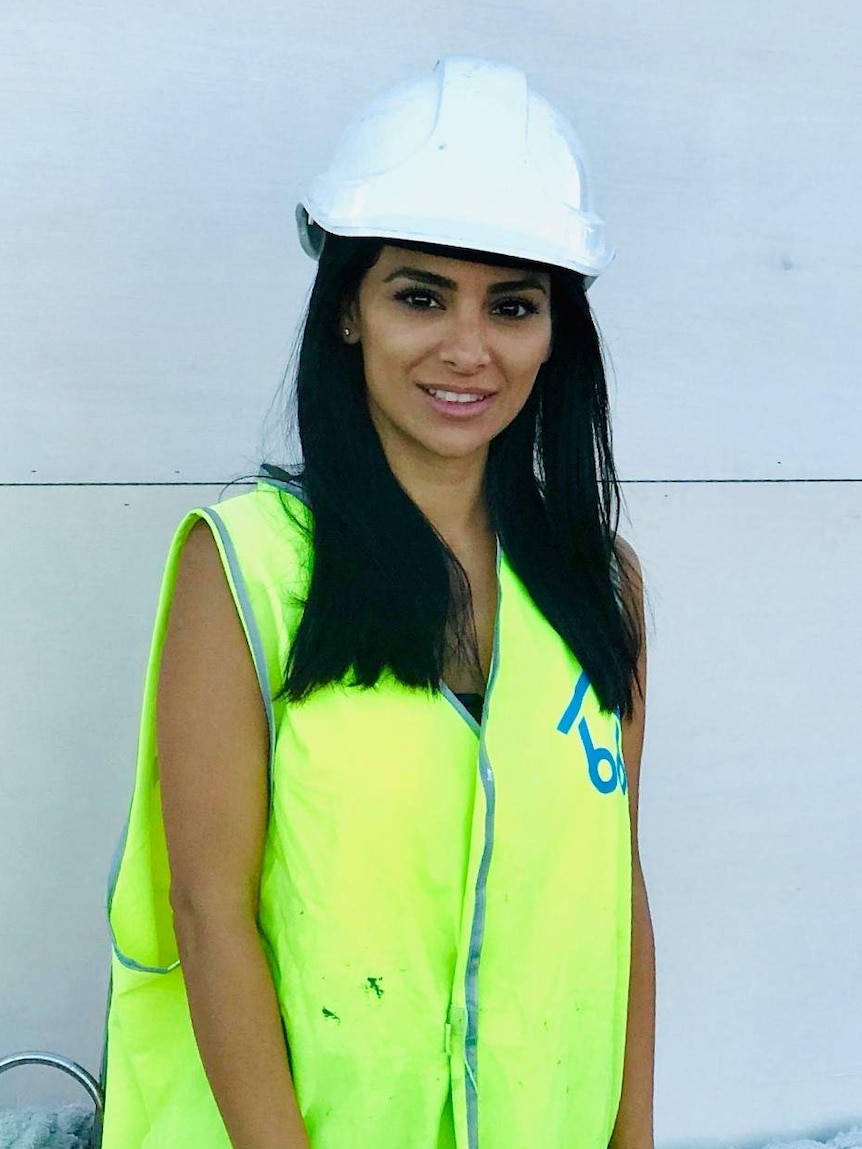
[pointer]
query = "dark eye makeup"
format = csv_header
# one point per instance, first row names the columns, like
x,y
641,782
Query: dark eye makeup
x,y
421,299
418,297
528,305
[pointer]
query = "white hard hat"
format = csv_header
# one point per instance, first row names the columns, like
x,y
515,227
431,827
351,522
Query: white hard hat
x,y
469,157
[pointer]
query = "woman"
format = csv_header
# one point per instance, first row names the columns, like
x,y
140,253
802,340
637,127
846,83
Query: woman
x,y
380,885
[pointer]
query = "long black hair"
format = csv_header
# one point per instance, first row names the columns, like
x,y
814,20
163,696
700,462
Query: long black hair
x,y
386,593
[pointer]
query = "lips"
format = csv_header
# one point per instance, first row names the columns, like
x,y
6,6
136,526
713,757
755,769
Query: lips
x,y
458,403
456,394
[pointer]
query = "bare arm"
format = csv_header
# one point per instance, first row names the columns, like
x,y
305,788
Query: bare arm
x,y
213,749
634,1124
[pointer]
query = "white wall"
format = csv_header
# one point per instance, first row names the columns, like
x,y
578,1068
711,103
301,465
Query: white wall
x,y
150,283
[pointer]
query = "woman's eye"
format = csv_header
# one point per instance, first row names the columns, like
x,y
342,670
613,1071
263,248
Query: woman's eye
x,y
421,300
516,308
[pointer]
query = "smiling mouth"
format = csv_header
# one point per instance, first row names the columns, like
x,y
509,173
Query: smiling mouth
x,y
459,397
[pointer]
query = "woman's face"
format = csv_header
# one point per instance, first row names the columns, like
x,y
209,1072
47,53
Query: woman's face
x,y
451,350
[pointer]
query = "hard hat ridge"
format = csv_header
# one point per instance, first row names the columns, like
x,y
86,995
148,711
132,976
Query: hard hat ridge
x,y
468,156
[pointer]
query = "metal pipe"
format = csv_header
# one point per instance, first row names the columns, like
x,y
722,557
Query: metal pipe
x,y
57,1061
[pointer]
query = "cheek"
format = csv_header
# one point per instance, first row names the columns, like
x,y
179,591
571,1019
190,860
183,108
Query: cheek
x,y
380,361
526,361
530,346
390,349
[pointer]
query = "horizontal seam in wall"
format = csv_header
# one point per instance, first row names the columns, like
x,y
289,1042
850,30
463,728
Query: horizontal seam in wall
x,y
154,483
247,483
641,482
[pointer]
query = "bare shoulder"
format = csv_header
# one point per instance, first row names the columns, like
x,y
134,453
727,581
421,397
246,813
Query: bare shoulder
x,y
625,549
202,605
631,580
630,572
205,652
200,565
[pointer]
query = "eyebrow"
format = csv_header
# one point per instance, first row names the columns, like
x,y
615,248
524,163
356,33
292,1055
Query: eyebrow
x,y
429,277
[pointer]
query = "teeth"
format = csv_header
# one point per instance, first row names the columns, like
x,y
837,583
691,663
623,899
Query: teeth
x,y
455,396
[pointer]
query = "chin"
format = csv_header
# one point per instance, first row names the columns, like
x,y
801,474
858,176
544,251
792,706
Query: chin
x,y
456,450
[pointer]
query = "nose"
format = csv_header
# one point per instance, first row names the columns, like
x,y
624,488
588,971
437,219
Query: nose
x,y
465,347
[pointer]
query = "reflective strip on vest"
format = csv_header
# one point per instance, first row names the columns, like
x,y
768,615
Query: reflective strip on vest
x,y
445,906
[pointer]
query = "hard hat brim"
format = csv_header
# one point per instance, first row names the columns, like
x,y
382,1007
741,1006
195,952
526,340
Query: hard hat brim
x,y
313,231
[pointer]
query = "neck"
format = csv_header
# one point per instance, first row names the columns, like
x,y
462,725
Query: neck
x,y
449,492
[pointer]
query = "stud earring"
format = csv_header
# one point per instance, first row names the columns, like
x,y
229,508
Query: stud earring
x,y
346,332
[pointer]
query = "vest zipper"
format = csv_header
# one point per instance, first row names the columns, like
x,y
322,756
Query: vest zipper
x,y
477,931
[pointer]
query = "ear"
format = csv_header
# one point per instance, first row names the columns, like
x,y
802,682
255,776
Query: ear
x,y
349,322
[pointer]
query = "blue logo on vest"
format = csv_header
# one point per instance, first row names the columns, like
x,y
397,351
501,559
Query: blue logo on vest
x,y
606,768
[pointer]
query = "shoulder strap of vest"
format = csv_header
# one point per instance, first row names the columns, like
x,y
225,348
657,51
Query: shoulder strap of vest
x,y
262,538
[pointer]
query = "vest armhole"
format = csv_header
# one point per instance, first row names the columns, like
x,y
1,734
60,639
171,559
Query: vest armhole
x,y
141,812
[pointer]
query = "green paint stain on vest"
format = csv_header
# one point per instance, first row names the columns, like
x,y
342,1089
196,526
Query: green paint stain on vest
x,y
373,983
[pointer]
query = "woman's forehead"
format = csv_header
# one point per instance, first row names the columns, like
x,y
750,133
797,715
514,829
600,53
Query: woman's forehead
x,y
457,267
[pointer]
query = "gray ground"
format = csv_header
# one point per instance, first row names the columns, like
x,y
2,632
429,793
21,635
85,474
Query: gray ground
x,y
67,1128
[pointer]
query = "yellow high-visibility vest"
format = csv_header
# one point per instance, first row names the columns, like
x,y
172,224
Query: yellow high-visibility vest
x,y
446,905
